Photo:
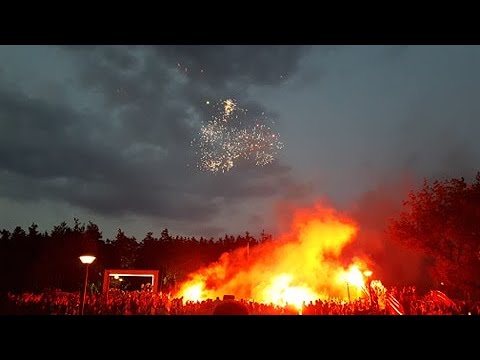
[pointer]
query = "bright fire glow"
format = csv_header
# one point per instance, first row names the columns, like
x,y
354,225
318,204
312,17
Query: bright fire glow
x,y
353,276
281,293
194,293
303,265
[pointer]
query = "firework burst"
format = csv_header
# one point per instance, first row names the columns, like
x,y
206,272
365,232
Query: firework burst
x,y
225,140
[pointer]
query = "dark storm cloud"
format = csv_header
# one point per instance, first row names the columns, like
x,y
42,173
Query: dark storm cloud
x,y
49,148
437,137
207,231
120,57
156,104
223,65
42,140
109,198
130,153
248,182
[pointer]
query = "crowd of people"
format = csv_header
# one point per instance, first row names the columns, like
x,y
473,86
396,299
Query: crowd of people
x,y
147,302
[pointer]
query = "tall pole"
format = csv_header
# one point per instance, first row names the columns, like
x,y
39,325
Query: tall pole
x,y
348,292
85,289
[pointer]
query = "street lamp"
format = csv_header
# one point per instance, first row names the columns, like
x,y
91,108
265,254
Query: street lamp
x,y
86,259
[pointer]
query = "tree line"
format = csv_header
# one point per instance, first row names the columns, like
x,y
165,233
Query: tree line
x,y
35,261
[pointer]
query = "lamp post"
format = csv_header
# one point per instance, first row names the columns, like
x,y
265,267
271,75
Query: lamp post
x,y
368,273
86,259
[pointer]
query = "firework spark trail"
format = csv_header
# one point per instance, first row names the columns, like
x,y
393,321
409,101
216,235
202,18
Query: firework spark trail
x,y
224,140
229,106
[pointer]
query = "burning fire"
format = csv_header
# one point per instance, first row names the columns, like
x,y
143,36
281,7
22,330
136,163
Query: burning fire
x,y
299,267
281,293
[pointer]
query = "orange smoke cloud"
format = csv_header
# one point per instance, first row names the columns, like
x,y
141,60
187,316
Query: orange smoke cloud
x,y
302,265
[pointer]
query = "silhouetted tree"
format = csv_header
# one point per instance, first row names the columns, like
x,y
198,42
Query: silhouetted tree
x,y
77,226
442,220
33,231
5,235
264,236
18,234
125,249
92,239
148,251
165,236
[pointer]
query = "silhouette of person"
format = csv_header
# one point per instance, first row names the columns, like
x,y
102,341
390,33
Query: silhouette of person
x,y
230,307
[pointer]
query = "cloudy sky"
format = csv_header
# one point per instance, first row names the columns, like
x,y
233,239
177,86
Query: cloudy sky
x,y
103,133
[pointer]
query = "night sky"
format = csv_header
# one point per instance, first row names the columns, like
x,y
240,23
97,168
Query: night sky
x,y
103,133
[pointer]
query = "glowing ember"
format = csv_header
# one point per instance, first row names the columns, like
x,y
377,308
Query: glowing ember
x,y
303,265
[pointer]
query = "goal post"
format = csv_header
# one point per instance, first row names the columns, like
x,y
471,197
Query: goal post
x,y
112,273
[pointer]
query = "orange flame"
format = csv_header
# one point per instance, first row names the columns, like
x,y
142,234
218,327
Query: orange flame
x,y
194,293
353,276
281,293
299,267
